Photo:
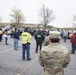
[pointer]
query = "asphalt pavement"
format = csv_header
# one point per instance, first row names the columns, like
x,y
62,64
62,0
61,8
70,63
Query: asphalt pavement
x,y
11,62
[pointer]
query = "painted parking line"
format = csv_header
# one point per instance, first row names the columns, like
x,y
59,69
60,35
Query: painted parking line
x,y
6,50
29,65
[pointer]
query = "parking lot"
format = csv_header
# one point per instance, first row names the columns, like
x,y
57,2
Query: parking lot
x,y
11,62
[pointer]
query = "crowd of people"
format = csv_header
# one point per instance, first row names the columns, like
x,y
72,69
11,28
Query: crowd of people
x,y
53,57
40,37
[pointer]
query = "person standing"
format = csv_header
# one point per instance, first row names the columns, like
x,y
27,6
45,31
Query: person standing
x,y
0,34
6,36
26,44
65,35
73,42
39,37
47,40
16,39
54,57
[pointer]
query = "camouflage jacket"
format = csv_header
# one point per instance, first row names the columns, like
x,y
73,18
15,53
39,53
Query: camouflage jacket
x,y
47,41
53,58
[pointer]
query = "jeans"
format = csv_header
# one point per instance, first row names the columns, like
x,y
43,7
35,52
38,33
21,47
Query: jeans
x,y
6,40
65,38
16,44
28,51
25,47
73,48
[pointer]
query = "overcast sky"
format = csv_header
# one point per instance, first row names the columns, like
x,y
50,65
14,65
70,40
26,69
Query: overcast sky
x,y
63,10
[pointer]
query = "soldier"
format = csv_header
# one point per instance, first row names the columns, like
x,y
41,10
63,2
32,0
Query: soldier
x,y
54,57
47,39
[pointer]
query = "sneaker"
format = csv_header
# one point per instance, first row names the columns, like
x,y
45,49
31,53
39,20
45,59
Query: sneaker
x,y
23,59
15,49
36,52
72,53
28,59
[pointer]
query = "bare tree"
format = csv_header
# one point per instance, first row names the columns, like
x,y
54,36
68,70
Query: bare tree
x,y
46,16
17,17
0,19
74,21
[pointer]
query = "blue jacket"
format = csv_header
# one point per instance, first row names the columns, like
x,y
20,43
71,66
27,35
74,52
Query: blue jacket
x,y
16,35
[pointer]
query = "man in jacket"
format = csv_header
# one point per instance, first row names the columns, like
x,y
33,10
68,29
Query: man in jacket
x,y
39,37
26,40
73,41
16,39
1,34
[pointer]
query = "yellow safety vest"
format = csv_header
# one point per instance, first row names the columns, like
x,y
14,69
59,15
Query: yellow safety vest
x,y
0,32
24,37
29,38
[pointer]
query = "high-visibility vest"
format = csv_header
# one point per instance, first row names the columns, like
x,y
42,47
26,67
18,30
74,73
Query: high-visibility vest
x,y
0,32
29,38
24,37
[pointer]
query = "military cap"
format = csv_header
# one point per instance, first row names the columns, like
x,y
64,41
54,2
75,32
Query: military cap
x,y
54,34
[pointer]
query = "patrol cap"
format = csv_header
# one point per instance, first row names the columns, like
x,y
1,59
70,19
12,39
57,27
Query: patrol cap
x,y
54,34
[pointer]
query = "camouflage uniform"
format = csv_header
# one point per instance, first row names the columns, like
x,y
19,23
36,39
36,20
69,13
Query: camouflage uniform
x,y
47,41
53,58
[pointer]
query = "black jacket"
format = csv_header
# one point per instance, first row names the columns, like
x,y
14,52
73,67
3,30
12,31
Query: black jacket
x,y
39,37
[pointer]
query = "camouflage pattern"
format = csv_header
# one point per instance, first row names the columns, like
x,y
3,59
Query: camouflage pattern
x,y
53,58
52,34
47,41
